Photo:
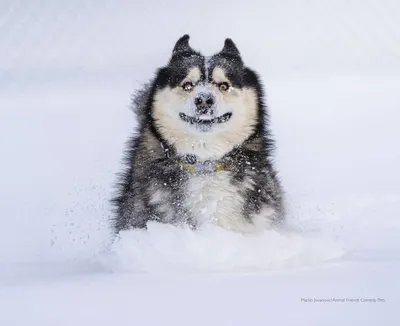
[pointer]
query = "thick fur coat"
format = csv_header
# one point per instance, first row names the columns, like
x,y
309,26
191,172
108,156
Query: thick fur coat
x,y
202,152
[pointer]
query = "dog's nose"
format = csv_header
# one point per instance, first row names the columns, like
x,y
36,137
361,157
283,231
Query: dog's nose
x,y
204,102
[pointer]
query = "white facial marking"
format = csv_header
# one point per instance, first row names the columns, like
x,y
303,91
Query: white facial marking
x,y
206,66
194,75
218,75
221,138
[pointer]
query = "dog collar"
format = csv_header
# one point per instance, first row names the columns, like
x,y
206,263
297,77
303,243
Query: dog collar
x,y
190,164
202,168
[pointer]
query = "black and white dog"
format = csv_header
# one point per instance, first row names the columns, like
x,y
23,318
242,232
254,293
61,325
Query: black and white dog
x,y
202,153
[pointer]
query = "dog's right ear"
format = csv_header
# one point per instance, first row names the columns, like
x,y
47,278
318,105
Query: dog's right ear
x,y
182,45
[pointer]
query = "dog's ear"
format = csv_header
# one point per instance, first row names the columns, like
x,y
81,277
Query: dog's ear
x,y
182,45
230,48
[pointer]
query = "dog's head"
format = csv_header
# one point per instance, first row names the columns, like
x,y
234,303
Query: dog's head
x,y
206,106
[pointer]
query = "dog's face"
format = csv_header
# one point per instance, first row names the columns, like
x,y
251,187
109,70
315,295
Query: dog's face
x,y
206,105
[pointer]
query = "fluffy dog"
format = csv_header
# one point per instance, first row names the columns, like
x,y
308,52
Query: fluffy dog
x,y
202,152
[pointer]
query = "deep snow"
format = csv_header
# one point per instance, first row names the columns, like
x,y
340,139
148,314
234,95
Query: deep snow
x,y
332,76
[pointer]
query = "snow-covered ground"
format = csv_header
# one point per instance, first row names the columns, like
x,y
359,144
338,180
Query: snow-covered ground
x,y
332,75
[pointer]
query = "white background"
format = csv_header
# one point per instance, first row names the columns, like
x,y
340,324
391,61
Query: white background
x,y
331,70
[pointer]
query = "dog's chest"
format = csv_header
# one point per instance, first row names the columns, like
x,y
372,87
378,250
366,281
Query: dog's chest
x,y
213,198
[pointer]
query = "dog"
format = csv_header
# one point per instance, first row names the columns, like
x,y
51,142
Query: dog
x,y
202,153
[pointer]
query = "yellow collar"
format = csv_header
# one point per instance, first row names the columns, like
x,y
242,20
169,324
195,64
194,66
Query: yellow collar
x,y
202,168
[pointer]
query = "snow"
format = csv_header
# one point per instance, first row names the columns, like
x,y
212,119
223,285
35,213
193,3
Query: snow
x,y
332,77
169,248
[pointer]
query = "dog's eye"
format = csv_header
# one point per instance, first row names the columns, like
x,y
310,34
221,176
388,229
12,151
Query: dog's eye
x,y
223,87
187,86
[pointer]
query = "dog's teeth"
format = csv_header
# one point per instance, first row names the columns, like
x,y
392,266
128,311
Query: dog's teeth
x,y
205,117
205,120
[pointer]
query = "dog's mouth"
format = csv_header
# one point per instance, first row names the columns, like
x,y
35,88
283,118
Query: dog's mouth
x,y
196,120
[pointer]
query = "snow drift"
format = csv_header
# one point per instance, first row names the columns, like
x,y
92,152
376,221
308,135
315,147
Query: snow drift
x,y
166,248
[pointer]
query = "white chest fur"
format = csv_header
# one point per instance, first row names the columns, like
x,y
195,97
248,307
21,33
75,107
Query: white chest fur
x,y
212,198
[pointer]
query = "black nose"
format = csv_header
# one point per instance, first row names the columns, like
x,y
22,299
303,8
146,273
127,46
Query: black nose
x,y
204,102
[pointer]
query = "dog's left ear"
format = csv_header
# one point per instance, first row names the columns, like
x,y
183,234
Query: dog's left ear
x,y
230,48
